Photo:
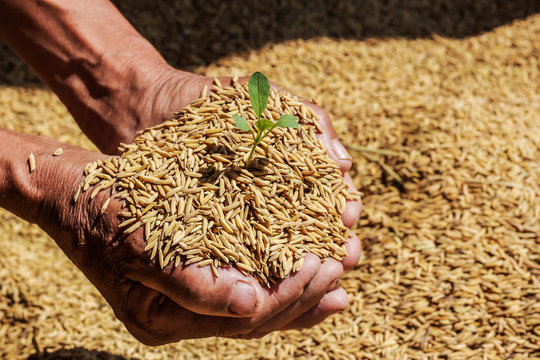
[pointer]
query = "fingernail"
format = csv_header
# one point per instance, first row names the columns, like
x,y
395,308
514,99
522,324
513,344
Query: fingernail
x,y
242,300
340,151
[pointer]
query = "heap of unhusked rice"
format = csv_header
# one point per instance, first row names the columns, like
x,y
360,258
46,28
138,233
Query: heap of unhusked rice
x,y
186,184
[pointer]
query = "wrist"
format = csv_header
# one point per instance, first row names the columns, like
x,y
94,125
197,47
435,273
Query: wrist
x,y
106,94
138,92
22,184
111,106
42,195
90,56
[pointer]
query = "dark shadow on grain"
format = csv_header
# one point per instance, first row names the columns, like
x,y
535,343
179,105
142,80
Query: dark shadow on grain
x,y
77,353
191,33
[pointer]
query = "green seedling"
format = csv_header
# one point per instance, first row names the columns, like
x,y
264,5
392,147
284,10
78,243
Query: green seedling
x,y
259,91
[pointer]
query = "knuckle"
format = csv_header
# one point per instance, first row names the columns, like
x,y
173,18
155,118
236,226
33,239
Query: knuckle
x,y
145,335
151,341
189,284
345,165
333,268
298,291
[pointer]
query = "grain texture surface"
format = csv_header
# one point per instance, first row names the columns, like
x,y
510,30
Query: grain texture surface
x,y
190,184
451,257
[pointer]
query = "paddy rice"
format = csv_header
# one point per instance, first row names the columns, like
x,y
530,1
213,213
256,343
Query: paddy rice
x,y
446,93
186,185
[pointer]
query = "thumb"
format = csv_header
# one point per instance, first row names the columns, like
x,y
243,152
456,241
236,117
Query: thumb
x,y
196,289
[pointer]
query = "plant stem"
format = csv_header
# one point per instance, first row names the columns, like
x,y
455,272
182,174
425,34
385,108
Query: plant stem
x,y
251,153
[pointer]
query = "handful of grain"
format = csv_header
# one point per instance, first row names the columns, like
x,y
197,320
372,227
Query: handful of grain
x,y
185,183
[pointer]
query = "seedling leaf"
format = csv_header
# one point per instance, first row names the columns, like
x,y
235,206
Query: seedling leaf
x,y
287,120
259,91
241,123
263,124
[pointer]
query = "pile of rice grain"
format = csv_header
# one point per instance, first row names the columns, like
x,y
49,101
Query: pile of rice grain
x,y
186,184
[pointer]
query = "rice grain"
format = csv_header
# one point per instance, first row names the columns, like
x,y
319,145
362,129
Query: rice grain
x,y
186,182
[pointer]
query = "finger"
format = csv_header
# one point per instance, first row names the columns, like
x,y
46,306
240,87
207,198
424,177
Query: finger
x,y
139,300
353,208
279,296
137,315
324,120
172,323
328,274
176,323
196,289
354,250
285,292
340,155
232,294
334,147
333,302
154,314
169,322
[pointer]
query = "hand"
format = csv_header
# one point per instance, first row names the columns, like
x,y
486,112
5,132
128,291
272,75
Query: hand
x,y
160,306
172,90
115,83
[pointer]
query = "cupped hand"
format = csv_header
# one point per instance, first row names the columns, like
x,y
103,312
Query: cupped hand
x,y
159,306
174,90
299,302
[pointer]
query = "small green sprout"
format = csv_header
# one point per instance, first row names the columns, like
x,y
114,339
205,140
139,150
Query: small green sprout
x,y
259,91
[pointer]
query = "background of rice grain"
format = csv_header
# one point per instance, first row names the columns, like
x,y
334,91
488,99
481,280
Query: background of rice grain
x,y
451,261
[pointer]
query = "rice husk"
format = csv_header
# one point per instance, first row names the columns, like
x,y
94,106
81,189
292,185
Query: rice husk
x,y
450,266
187,184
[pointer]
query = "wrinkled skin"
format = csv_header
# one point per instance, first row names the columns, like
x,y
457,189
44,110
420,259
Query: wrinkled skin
x,y
160,306
115,83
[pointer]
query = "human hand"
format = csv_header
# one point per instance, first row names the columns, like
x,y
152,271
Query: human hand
x,y
165,305
115,83
178,89
172,90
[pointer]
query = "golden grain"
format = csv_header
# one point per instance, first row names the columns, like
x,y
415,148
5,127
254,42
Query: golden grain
x,y
104,207
203,214
32,162
436,280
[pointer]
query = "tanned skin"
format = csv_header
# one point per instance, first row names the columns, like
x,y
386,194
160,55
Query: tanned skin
x,y
114,83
